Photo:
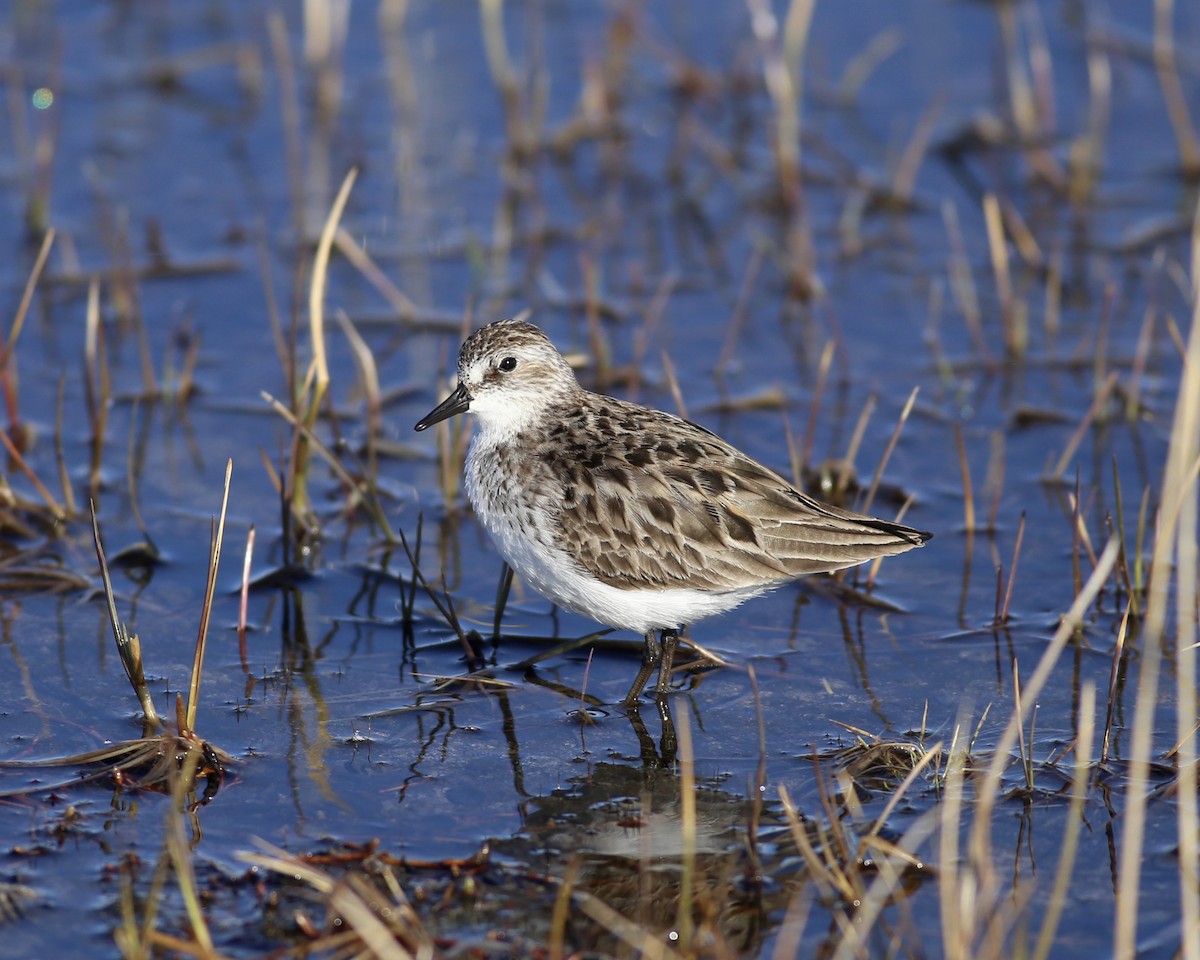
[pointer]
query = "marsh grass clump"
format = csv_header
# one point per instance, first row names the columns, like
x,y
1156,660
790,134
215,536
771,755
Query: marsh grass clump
x,y
15,898
143,914
149,762
363,905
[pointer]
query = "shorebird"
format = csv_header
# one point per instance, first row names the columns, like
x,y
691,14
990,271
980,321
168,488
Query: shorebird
x,y
636,518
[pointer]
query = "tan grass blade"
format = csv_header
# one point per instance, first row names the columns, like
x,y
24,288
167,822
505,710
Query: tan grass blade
x,y
214,562
1175,539
1070,843
129,648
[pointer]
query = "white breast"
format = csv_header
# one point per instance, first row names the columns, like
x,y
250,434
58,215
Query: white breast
x,y
522,528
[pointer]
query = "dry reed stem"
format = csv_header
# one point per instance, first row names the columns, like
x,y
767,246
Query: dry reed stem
x,y
214,561
52,504
1086,152
1016,338
828,880
1141,356
794,461
1186,437
60,455
244,595
126,935
783,74
381,924
1052,311
1075,814
1114,675
369,501
319,369
1026,245
444,604
932,334
132,941
684,924
673,386
358,258
927,757
969,519
759,786
810,428
97,382
1019,713
408,601
652,319
637,937
316,380
783,77
176,848
877,477
1020,98
1174,537
860,429
289,104
994,478
859,68
904,182
1079,524
883,888
955,897
791,929
962,282
562,908
738,317
31,283
1077,437
1012,569
129,648
1176,100
978,885
285,354
368,373
132,482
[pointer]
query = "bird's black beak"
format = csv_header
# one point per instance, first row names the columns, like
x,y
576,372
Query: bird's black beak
x,y
458,402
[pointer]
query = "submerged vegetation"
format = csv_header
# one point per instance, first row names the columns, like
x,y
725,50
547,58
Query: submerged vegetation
x,y
721,222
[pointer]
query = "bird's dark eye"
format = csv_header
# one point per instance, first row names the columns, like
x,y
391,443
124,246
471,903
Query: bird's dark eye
x,y
508,364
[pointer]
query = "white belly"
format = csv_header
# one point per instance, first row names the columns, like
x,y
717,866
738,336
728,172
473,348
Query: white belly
x,y
522,530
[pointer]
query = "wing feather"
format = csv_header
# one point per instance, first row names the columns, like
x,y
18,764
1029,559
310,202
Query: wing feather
x,y
649,500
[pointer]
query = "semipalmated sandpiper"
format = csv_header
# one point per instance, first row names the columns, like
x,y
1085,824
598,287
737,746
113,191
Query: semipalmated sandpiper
x,y
633,517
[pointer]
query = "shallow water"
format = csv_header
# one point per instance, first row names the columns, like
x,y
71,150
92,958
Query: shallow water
x,y
341,736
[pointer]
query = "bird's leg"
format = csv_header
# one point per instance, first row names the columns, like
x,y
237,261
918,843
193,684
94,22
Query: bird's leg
x,y
670,640
669,742
650,659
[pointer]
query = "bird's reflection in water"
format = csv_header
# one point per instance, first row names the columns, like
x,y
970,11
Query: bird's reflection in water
x,y
617,837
